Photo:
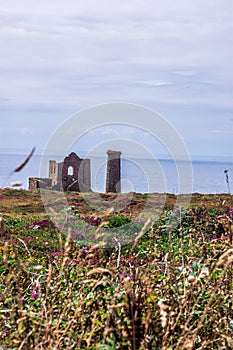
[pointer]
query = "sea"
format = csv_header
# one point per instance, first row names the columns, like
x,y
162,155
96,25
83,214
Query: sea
x,y
137,174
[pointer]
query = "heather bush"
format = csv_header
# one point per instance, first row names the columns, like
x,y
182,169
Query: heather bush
x,y
170,288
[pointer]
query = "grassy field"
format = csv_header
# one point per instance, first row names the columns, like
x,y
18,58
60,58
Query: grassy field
x,y
170,288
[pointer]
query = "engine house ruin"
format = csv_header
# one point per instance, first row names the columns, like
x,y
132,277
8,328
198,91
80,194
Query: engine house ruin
x,y
74,174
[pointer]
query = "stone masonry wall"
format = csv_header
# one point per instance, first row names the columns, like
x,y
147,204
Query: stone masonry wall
x,y
80,177
113,176
36,182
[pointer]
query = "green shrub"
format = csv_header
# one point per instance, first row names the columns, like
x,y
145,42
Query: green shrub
x,y
118,220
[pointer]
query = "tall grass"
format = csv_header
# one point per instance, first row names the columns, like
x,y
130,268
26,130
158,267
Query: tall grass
x,y
168,290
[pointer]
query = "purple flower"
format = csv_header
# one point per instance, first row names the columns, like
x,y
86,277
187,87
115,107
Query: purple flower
x,y
77,235
84,252
43,224
94,221
111,198
33,296
59,252
122,276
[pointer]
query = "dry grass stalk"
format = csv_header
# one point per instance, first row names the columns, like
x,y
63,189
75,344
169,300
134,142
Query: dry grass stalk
x,y
2,229
83,300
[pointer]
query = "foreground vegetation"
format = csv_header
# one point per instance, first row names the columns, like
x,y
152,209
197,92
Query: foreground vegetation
x,y
171,288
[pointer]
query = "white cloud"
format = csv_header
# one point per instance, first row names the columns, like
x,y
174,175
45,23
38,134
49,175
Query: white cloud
x,y
154,83
217,131
186,73
220,131
57,57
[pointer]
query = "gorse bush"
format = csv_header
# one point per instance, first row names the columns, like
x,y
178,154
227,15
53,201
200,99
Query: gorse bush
x,y
171,288
118,220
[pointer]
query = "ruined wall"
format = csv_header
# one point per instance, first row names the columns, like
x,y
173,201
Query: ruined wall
x,y
84,175
76,174
53,172
73,174
38,182
113,176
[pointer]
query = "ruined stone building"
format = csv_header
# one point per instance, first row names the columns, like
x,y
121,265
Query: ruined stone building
x,y
74,174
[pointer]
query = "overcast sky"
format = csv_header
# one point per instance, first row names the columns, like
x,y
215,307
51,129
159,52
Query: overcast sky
x,y
59,57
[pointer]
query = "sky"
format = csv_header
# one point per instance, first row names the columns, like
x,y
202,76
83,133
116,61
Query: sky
x,y
61,57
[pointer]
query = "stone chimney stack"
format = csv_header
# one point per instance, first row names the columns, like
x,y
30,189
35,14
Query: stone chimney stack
x,y
113,178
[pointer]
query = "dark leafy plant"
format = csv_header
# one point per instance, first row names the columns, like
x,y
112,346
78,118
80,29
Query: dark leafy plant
x,y
118,220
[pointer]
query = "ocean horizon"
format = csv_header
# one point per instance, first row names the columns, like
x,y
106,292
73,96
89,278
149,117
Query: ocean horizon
x,y
138,174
